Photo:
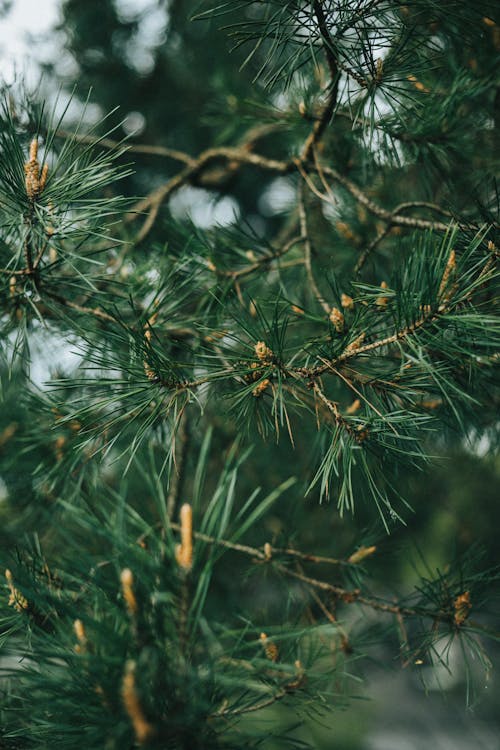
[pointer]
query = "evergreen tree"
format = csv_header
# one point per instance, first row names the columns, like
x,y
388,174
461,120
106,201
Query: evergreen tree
x,y
196,501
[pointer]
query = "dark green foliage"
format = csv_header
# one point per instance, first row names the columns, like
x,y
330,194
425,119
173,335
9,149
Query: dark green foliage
x,y
292,374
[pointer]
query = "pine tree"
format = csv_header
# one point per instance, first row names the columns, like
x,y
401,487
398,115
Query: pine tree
x,y
196,507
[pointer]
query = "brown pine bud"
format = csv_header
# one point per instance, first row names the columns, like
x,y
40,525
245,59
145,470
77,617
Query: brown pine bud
x,y
462,606
337,319
16,599
360,554
261,387
131,701
354,345
346,302
354,407
382,301
270,648
127,581
446,286
263,352
184,550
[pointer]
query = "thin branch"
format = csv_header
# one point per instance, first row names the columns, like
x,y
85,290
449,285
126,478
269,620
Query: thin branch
x,y
321,124
132,148
308,252
371,247
264,260
266,554
233,156
178,473
347,596
385,231
383,213
386,341
223,712
94,311
333,408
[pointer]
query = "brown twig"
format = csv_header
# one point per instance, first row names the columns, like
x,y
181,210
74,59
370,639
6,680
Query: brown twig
x,y
132,148
265,554
333,408
321,124
262,261
308,252
178,473
224,712
431,317
155,199
371,247
94,311
347,596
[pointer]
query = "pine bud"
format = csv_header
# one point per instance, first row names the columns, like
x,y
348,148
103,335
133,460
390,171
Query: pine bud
x,y
360,554
300,676
142,728
270,648
354,407
382,301
261,387
354,345
81,636
16,599
345,230
445,288
127,581
337,319
263,352
462,606
346,301
34,182
184,550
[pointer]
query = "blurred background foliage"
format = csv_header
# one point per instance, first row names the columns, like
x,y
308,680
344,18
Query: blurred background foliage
x,y
176,86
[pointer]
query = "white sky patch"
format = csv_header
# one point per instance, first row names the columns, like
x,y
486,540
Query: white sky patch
x,y
203,208
152,26
19,28
52,355
134,123
28,38
278,197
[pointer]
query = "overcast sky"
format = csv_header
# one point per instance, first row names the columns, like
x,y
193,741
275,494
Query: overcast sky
x,y
26,20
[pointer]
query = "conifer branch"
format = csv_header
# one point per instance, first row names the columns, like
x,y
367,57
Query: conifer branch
x,y
228,712
179,463
308,252
132,148
431,317
95,312
260,263
346,596
338,418
266,553
155,199
322,122
239,156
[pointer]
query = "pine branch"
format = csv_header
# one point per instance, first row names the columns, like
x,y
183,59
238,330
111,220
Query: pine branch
x,y
308,253
347,596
